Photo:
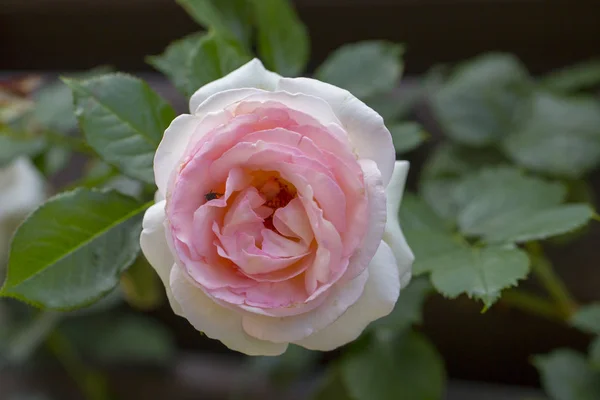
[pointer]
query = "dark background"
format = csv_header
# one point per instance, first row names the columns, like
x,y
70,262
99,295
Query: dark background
x,y
80,34
67,35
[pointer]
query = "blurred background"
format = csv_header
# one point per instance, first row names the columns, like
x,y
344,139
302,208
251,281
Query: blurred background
x,y
160,354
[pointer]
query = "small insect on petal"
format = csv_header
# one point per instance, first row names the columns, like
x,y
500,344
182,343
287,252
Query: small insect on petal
x,y
212,195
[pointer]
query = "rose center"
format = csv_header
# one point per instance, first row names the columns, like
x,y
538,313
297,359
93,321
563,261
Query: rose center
x,y
277,191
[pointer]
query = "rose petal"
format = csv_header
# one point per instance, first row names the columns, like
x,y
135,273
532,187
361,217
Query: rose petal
x,y
365,127
393,234
154,246
376,217
377,300
251,75
215,321
298,327
171,148
313,106
292,221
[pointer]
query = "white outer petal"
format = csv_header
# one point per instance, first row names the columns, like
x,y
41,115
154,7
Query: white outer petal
x,y
250,75
154,246
215,321
393,234
377,214
22,189
313,106
366,129
378,300
293,328
171,149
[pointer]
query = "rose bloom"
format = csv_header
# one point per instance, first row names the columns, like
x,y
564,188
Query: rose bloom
x,y
22,189
276,215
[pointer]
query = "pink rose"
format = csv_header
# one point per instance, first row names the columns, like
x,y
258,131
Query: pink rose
x,y
273,225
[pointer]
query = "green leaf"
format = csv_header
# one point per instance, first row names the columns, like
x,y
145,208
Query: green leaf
x,y
283,42
397,103
12,147
54,160
484,99
395,367
21,342
573,78
587,319
438,195
485,197
416,215
211,59
230,18
503,205
595,353
426,233
566,375
174,62
478,272
54,103
332,388
288,367
407,136
429,246
562,136
198,59
452,160
121,339
141,285
123,120
408,309
71,250
364,68
526,225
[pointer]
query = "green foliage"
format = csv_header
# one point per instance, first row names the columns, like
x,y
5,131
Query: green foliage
x,y
395,104
574,78
123,120
198,59
567,375
284,369
213,58
451,160
484,99
120,339
71,250
587,319
594,351
428,235
230,18
407,136
364,68
479,272
332,387
501,204
21,337
13,146
141,285
283,42
54,160
174,62
562,136
54,108
416,215
527,225
408,309
395,367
